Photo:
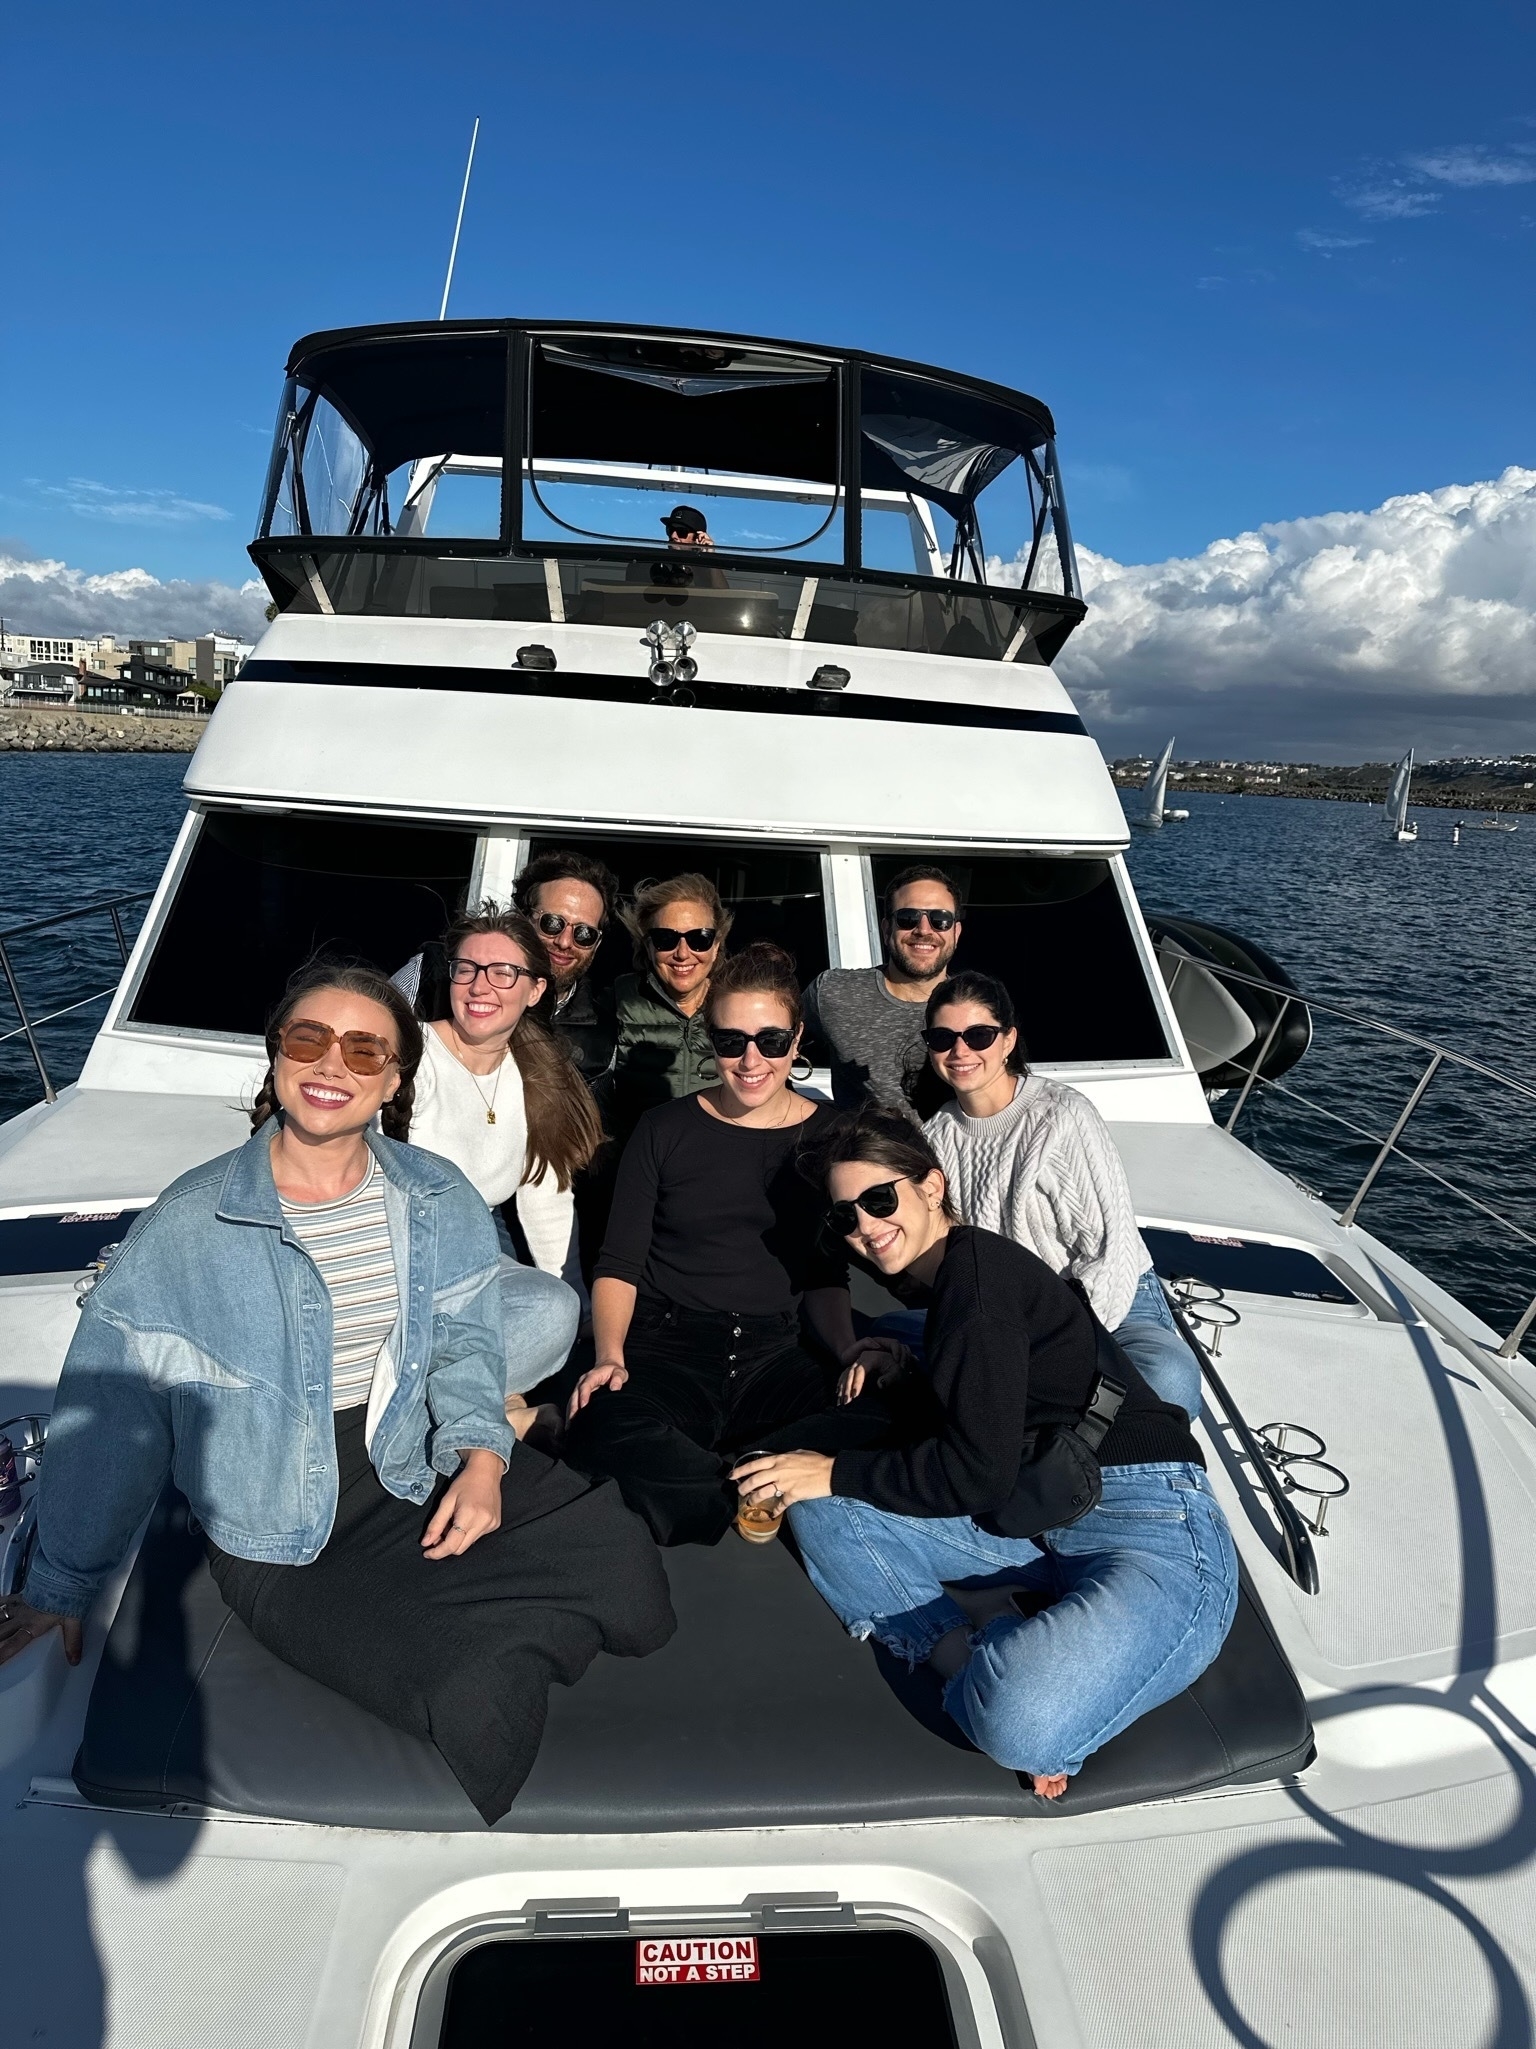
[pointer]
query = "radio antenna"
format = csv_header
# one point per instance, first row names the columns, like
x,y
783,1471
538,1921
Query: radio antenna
x,y
453,253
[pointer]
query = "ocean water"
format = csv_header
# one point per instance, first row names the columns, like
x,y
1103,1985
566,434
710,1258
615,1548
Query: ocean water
x,y
1432,938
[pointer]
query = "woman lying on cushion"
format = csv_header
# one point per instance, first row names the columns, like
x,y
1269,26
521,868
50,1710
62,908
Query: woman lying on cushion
x,y
306,1336
1142,1586
1033,1159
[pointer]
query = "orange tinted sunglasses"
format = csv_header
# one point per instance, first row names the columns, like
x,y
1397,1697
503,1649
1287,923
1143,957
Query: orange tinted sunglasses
x,y
306,1040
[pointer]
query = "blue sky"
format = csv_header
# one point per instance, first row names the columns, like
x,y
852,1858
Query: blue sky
x,y
1261,263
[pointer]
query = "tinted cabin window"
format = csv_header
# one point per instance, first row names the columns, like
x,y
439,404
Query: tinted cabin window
x,y
817,1991
260,896
774,892
1055,931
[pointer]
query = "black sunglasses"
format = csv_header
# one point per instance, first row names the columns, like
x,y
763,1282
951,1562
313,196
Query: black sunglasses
x,y
878,1202
908,920
940,1039
551,924
664,939
773,1042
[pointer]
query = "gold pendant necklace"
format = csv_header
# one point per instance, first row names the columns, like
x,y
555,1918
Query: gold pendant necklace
x,y
489,1101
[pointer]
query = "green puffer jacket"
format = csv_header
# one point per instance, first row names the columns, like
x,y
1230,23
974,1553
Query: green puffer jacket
x,y
660,1054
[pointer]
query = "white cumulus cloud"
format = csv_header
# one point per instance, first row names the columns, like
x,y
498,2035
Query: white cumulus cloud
x,y
1330,636
38,595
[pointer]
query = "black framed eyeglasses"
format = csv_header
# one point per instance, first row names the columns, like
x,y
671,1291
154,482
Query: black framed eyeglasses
x,y
879,1201
501,974
909,917
773,1042
551,924
667,939
941,1039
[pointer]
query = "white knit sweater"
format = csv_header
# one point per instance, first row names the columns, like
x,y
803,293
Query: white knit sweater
x,y
1045,1173
449,1118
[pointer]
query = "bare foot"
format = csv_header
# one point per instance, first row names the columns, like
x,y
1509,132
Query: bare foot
x,y
1050,1785
525,1421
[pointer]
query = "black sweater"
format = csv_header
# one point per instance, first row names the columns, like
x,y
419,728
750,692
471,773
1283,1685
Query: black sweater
x,y
1009,1347
717,1216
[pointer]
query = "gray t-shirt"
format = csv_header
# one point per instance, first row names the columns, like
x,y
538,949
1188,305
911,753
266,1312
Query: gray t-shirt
x,y
874,1038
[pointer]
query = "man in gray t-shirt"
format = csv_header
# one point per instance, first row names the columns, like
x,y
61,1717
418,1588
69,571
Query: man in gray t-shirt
x,y
871,1019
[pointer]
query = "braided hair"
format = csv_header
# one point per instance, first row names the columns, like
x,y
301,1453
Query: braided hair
x,y
356,979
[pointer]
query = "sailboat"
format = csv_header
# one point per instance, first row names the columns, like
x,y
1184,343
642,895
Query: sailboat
x,y
1495,821
1397,802
1156,788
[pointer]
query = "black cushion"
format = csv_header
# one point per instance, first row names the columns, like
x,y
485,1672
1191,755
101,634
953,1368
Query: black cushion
x,y
760,1710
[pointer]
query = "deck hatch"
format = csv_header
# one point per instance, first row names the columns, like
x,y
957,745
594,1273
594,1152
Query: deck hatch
x,y
815,1988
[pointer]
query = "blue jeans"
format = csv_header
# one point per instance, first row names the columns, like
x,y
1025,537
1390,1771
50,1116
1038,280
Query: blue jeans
x,y
1151,1337
1143,1592
539,1317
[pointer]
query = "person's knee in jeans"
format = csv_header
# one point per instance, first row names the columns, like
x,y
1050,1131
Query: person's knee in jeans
x,y
1151,1338
540,1317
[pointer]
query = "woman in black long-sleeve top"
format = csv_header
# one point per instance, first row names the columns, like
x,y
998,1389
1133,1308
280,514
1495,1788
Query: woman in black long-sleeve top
x,y
1142,1587
711,1255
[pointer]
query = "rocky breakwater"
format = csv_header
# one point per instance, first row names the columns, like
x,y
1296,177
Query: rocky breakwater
x,y
65,729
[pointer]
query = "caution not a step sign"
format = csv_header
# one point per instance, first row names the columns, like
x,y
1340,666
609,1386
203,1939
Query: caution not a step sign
x,y
697,1960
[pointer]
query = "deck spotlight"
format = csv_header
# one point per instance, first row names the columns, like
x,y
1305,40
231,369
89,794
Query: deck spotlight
x,y
829,677
536,657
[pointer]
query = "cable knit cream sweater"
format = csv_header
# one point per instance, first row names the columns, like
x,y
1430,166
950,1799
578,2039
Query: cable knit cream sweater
x,y
1045,1173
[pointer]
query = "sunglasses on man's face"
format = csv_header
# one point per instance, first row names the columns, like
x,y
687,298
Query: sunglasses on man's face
x,y
551,924
305,1040
773,1042
940,1039
663,939
908,919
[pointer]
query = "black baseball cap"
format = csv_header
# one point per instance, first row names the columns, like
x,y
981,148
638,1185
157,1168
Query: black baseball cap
x,y
685,519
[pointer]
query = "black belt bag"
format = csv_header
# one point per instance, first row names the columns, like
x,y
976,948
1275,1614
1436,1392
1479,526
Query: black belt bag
x,y
1060,1478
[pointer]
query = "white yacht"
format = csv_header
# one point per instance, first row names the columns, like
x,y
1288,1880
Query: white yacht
x,y
483,647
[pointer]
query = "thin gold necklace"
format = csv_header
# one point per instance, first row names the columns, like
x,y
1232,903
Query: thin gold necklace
x,y
489,1101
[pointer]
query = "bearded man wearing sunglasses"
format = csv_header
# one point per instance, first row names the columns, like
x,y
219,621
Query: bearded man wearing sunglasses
x,y
872,1018
572,900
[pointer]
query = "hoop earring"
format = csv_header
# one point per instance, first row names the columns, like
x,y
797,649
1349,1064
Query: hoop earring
x,y
801,1060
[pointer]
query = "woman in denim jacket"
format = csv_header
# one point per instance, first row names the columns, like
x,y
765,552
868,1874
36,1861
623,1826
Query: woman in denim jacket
x,y
305,1335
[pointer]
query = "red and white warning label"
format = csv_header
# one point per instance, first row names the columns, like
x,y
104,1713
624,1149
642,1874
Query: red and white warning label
x,y
697,1960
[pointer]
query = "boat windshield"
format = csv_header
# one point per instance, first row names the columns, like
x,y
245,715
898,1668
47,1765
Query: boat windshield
x,y
675,449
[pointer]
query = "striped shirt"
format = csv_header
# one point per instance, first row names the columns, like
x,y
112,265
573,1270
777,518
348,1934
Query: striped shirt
x,y
349,1241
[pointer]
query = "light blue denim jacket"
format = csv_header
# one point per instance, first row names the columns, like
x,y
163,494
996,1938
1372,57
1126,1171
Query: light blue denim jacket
x,y
204,1355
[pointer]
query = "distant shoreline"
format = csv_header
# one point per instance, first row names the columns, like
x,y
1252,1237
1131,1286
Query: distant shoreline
x,y
67,729
1437,786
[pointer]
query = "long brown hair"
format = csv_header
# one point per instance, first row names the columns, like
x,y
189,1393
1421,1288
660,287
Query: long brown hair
x,y
564,1127
356,980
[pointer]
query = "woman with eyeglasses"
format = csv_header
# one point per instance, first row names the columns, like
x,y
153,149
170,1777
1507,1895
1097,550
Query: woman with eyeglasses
x,y
713,1252
1034,1161
499,1097
679,927
1125,1597
306,1336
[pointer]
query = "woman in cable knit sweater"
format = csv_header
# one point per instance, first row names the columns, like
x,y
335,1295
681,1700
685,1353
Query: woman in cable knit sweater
x,y
497,1095
1033,1161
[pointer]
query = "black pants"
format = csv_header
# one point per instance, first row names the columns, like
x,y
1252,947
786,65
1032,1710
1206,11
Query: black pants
x,y
702,1389
460,1651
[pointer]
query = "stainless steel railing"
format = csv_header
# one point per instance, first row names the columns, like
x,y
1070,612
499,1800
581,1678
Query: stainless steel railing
x,y
1387,1146
112,907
